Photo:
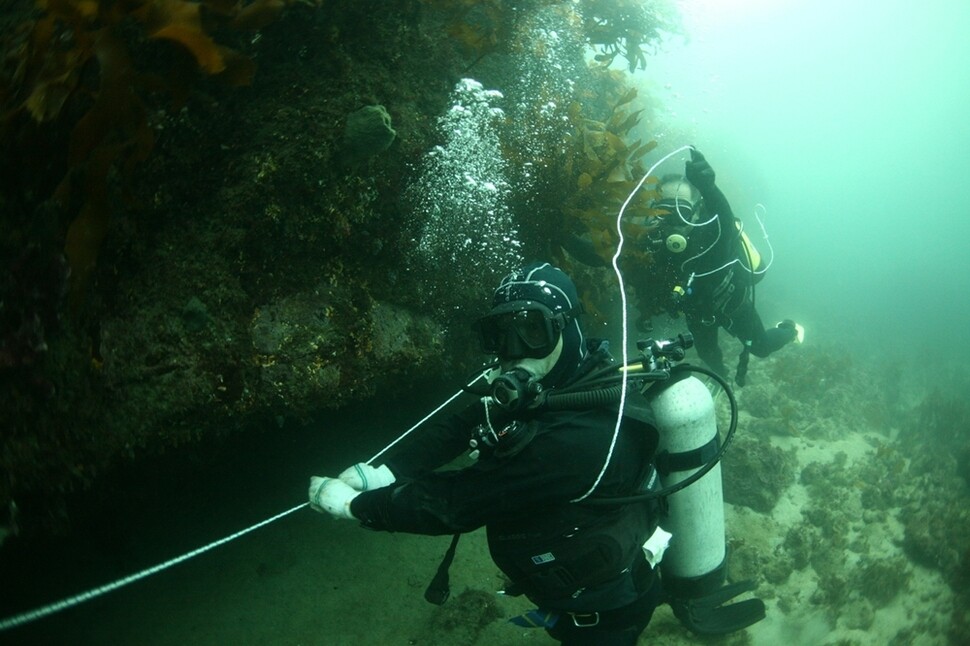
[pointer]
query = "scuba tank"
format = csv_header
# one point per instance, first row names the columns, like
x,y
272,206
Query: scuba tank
x,y
693,566
751,253
694,563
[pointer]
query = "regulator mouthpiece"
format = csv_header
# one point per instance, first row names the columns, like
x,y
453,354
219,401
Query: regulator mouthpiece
x,y
516,389
676,243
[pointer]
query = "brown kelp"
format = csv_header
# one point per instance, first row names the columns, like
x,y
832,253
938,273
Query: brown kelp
x,y
96,70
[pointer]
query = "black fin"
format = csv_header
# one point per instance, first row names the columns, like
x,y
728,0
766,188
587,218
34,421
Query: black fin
x,y
707,616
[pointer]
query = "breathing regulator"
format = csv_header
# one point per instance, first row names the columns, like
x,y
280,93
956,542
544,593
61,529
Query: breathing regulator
x,y
517,389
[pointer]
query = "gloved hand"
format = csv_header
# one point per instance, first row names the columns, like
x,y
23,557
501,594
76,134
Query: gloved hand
x,y
364,477
699,172
332,495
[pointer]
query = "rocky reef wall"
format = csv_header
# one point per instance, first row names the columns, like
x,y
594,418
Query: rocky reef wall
x,y
220,217
252,271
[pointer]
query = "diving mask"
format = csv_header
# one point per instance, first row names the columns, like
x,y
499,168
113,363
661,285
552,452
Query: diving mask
x,y
524,331
675,206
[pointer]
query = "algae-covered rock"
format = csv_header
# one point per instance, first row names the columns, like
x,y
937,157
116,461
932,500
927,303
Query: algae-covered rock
x,y
857,614
296,325
404,336
832,523
880,581
756,473
462,619
745,562
195,315
298,344
759,400
833,577
321,347
935,533
799,544
960,621
368,133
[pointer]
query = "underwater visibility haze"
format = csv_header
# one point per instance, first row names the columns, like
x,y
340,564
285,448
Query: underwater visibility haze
x,y
844,119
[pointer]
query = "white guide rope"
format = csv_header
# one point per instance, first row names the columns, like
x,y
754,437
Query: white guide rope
x,y
70,602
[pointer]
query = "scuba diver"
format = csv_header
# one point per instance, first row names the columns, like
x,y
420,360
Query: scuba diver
x,y
712,267
566,489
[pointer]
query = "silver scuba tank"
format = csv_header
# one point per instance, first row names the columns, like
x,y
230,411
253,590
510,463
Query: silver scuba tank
x,y
694,563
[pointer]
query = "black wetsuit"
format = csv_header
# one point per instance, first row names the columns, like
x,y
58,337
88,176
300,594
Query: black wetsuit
x,y
721,293
566,557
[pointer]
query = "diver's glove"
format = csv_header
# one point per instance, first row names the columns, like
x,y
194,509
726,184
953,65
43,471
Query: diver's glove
x,y
333,496
364,477
699,172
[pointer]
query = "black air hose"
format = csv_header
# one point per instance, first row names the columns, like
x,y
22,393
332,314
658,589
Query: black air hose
x,y
583,399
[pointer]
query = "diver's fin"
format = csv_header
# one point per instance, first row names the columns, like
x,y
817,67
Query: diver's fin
x,y
723,594
707,615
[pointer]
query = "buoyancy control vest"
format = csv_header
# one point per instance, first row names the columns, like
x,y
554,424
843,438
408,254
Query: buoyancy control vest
x,y
554,567
562,552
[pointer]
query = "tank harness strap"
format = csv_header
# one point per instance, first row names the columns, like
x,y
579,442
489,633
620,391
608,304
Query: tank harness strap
x,y
668,463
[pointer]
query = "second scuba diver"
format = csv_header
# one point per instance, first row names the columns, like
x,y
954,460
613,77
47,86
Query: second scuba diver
x,y
713,267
